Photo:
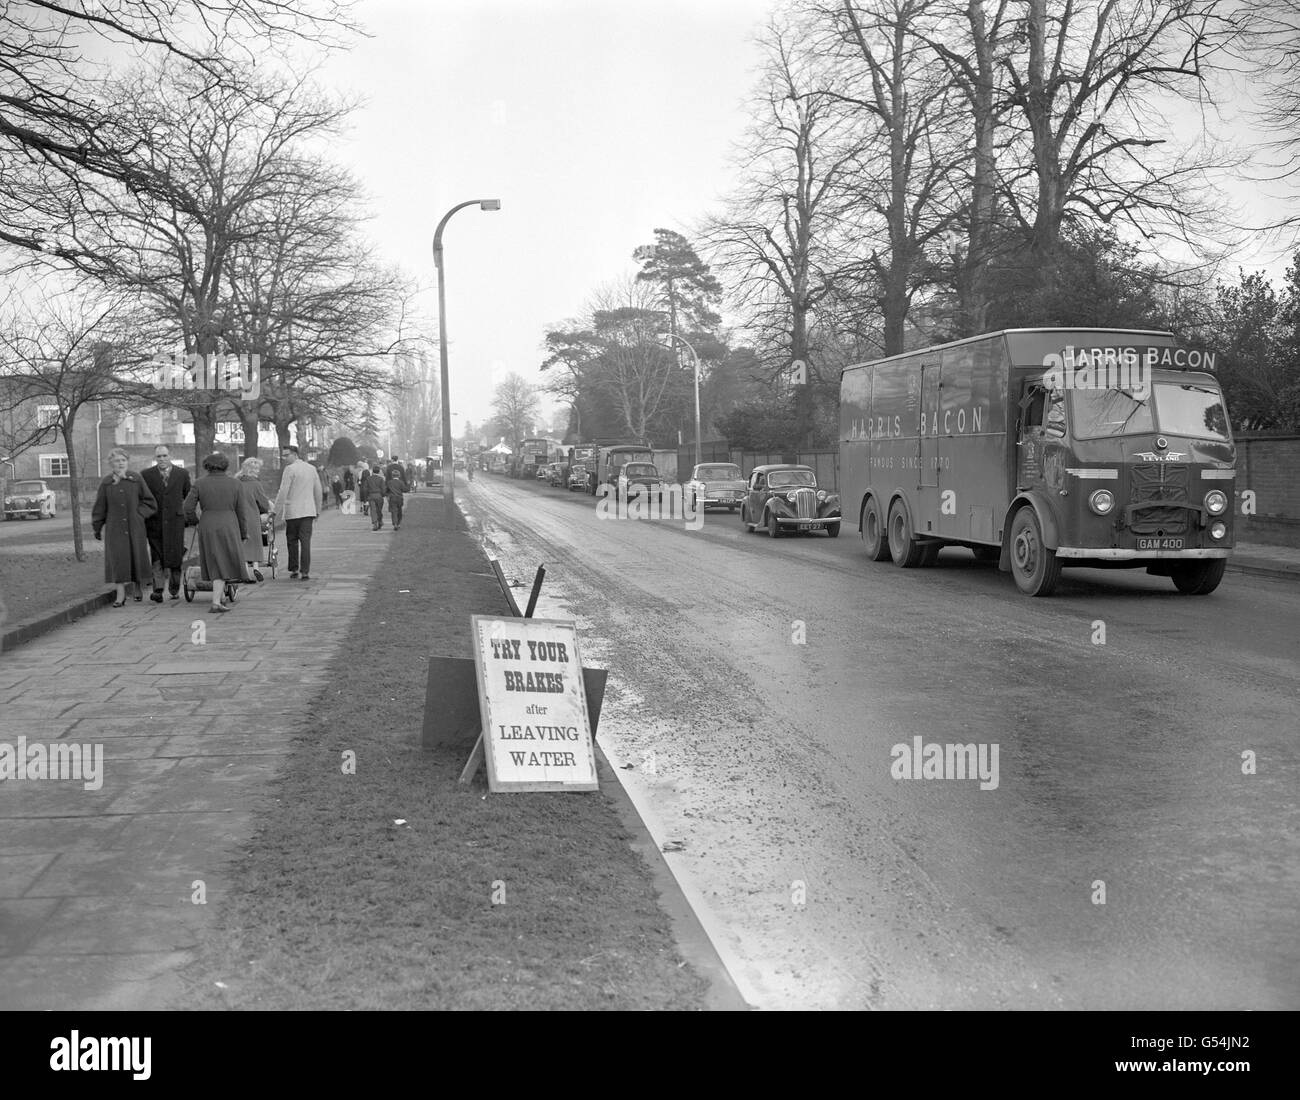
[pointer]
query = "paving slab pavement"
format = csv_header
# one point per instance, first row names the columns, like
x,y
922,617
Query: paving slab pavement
x,y
105,892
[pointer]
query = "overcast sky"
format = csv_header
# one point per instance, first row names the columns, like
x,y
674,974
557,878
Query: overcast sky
x,y
592,122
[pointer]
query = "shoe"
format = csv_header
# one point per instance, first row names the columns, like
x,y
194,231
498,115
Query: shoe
x,y
138,599
257,576
156,597
304,577
176,595
121,604
218,608
293,576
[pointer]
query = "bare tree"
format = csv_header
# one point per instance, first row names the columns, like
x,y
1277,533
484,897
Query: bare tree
x,y
514,404
778,241
57,115
62,353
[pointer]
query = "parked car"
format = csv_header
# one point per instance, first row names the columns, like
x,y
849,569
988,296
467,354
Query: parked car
x,y
579,478
559,474
544,471
639,479
714,485
786,498
29,498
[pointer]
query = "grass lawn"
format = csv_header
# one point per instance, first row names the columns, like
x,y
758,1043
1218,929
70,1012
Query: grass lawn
x,y
32,582
335,906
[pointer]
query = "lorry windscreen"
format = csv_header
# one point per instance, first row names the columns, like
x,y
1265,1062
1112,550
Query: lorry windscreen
x,y
1173,408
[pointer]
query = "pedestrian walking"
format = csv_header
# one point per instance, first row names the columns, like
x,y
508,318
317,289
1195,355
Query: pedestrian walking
x,y
122,505
336,487
213,504
254,504
299,502
376,487
395,494
170,485
363,472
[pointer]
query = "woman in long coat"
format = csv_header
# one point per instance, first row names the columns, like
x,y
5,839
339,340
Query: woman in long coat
x,y
213,504
122,505
254,504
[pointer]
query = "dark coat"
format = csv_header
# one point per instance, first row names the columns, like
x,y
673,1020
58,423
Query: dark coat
x,y
252,499
376,486
120,512
166,527
214,503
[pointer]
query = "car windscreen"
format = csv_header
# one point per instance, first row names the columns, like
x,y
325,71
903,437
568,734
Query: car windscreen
x,y
640,469
791,479
719,473
27,487
1191,410
1098,413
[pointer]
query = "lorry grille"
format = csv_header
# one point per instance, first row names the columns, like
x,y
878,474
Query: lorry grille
x,y
805,503
1151,483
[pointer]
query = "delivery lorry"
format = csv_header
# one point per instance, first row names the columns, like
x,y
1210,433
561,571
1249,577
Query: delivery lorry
x,y
1040,449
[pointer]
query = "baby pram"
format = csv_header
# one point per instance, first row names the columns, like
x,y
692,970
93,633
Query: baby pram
x,y
271,557
193,573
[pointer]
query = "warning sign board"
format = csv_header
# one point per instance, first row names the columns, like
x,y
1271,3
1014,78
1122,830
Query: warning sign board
x,y
537,733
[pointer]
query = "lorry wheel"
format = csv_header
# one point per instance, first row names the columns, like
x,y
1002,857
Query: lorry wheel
x,y
1035,567
1199,578
903,548
773,528
873,532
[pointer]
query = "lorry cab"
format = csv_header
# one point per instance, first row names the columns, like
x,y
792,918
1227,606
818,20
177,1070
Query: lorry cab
x,y
1124,475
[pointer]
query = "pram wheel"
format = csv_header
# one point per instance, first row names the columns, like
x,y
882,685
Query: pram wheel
x,y
189,593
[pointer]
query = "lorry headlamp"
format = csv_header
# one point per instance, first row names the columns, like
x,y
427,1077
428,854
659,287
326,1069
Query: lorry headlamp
x,y
1216,502
1102,501
1218,530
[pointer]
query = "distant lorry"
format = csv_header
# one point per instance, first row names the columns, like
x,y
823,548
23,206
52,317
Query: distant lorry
x,y
1042,448
611,460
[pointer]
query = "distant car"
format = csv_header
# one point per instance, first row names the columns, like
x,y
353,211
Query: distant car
x,y
714,485
29,498
786,498
639,479
579,478
559,474
544,472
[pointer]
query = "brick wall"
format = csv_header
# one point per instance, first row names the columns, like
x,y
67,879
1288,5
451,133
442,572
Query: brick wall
x,y
1270,467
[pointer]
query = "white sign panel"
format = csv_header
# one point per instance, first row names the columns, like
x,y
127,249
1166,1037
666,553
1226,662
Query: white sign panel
x,y
536,730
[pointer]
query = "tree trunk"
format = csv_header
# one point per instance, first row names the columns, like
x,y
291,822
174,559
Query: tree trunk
x,y
972,299
74,489
205,433
1038,110
248,418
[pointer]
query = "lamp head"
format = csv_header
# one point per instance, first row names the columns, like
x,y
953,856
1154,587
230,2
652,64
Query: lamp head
x,y
489,204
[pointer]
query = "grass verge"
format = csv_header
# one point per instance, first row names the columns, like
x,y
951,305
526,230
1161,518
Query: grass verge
x,y
32,584
478,901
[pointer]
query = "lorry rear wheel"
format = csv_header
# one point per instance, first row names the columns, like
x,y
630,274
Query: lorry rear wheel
x,y
873,532
1035,567
903,547
1199,578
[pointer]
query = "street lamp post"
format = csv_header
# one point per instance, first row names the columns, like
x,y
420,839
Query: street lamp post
x,y
695,359
448,486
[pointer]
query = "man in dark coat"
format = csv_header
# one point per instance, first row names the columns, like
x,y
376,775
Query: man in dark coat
x,y
170,485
